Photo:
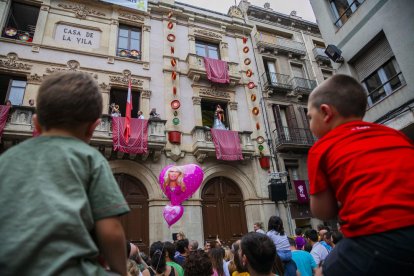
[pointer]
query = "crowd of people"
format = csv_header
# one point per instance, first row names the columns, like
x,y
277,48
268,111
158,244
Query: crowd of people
x,y
256,252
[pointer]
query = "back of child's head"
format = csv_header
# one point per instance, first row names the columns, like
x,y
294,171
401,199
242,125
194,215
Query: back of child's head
x,y
344,93
298,231
67,100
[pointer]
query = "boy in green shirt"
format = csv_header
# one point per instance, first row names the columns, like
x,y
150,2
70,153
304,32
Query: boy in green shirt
x,y
59,200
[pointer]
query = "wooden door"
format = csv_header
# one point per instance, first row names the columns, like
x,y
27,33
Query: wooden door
x,y
136,222
223,211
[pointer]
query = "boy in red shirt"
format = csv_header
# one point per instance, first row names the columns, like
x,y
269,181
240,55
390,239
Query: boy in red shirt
x,y
364,173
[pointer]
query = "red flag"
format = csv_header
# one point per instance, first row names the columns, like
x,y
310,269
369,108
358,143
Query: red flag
x,y
127,131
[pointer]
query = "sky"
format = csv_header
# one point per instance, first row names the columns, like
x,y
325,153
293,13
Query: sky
x,y
302,7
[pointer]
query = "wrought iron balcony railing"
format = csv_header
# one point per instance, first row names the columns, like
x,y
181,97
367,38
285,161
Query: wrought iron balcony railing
x,y
275,80
287,136
319,54
302,85
280,43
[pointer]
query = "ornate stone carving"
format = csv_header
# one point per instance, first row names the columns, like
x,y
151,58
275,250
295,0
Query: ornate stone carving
x,y
132,17
224,45
73,65
45,8
126,74
146,94
104,87
34,79
204,91
207,33
196,101
146,28
81,11
233,105
234,11
11,62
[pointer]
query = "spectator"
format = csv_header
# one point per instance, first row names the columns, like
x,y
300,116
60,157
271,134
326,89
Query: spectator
x,y
68,198
31,102
153,114
336,237
258,227
257,253
207,246
299,240
183,250
193,245
278,236
318,252
363,173
198,264
8,103
180,235
170,251
158,264
304,261
236,268
140,115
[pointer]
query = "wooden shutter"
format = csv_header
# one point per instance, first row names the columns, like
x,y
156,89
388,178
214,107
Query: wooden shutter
x,y
278,121
291,117
305,120
374,57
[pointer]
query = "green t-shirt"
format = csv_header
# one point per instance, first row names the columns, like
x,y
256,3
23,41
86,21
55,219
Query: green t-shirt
x,y
52,190
177,267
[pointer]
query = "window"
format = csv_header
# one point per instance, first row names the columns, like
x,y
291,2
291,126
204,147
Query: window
x,y
206,49
12,88
119,97
343,10
383,81
21,22
298,71
208,108
129,42
286,123
292,168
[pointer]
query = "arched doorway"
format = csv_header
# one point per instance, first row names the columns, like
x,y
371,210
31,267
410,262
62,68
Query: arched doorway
x,y
223,211
136,222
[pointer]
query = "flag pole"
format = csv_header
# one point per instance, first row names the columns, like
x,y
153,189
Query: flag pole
x,y
127,131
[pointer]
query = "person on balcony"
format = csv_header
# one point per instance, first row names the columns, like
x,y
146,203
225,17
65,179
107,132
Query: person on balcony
x,y
219,118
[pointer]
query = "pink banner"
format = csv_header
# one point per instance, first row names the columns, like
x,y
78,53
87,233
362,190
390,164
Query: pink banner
x,y
217,70
301,191
227,144
4,114
138,141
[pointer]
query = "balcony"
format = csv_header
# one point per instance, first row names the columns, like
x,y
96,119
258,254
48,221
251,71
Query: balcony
x,y
293,139
275,81
320,56
265,41
19,127
301,85
203,145
22,35
197,69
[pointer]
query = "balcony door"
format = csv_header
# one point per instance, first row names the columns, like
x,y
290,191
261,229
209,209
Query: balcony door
x,y
270,67
286,123
136,222
223,211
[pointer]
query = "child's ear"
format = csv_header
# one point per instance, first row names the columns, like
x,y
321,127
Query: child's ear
x,y
91,128
36,123
328,112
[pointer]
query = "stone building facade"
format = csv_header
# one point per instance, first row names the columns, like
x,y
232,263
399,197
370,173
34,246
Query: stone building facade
x,y
161,50
375,39
289,53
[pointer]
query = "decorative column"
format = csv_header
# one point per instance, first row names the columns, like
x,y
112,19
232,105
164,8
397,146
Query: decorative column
x,y
41,25
113,39
33,83
233,116
145,101
105,91
145,57
197,111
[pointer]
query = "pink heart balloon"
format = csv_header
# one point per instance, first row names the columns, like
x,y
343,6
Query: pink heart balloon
x,y
180,182
172,213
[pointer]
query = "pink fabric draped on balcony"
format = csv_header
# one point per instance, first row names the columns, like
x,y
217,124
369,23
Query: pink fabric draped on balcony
x,y
227,144
4,114
217,70
138,141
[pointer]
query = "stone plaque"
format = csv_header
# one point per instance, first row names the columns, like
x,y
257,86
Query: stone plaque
x,y
78,37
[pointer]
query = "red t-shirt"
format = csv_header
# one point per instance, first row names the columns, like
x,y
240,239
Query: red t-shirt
x,y
370,168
